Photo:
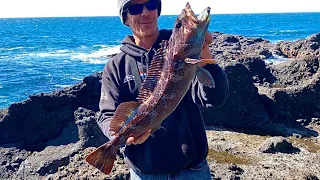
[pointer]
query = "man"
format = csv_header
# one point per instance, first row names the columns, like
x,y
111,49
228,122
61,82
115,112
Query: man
x,y
177,150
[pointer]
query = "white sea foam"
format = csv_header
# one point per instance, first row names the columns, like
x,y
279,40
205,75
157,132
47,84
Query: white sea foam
x,y
51,54
289,31
283,31
97,57
276,59
57,53
77,79
1,87
100,56
63,51
61,85
15,48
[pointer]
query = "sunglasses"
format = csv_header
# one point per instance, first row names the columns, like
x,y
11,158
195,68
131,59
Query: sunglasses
x,y
138,8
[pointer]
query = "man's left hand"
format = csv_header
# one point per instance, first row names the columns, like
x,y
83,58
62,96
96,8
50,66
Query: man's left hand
x,y
206,53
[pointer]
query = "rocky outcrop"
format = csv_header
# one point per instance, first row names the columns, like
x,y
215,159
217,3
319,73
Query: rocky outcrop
x,y
301,48
295,94
49,134
32,121
277,144
244,106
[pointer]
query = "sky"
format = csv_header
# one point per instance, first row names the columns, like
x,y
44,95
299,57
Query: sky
x,y
71,8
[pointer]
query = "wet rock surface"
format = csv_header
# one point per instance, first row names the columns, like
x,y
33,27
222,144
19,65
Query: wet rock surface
x,y
48,135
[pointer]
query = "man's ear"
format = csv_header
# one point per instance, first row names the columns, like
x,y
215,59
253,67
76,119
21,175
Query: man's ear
x,y
125,20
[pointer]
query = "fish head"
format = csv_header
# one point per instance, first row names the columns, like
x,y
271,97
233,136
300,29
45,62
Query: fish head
x,y
188,33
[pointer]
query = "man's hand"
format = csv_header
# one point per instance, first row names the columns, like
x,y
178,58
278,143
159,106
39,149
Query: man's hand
x,y
140,140
206,53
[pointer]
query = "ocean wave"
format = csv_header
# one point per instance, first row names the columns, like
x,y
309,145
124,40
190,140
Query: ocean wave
x,y
77,79
288,31
50,54
276,59
56,53
63,51
101,46
61,85
14,48
100,56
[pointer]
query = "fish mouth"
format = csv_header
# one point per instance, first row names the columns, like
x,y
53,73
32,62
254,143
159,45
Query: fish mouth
x,y
201,21
190,32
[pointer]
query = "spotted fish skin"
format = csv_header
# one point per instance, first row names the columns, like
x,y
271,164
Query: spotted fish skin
x,y
169,77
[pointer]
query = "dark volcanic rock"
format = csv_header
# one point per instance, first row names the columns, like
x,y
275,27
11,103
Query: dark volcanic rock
x,y
31,122
244,105
10,160
302,47
277,144
295,72
258,69
89,133
47,161
295,94
226,47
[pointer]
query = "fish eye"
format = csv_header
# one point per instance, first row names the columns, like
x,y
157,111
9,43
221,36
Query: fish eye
x,y
179,24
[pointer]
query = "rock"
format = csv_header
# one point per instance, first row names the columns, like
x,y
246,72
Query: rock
x,y
227,47
302,122
243,107
47,161
258,69
301,48
297,85
236,169
315,121
314,38
10,160
35,117
228,38
89,132
277,144
311,177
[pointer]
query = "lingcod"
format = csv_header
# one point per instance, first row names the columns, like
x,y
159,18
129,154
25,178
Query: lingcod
x,y
174,66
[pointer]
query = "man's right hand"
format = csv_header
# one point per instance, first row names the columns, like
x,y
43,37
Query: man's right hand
x,y
140,140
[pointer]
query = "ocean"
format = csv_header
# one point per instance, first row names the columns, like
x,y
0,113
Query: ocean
x,y
45,54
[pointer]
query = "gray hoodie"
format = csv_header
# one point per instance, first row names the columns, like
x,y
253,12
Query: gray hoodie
x,y
181,141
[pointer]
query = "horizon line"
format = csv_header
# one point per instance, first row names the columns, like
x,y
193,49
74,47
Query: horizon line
x,y
83,16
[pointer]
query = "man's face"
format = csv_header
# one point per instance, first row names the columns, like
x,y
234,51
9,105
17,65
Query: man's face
x,y
145,23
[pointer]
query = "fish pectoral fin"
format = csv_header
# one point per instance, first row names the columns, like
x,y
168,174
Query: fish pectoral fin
x,y
205,77
123,112
202,61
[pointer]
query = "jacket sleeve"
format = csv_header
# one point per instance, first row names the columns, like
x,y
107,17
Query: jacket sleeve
x,y
110,98
211,97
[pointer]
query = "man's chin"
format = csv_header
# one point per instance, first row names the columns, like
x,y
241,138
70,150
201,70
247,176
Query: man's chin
x,y
146,32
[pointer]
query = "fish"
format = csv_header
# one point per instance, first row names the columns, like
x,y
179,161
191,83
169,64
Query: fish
x,y
174,66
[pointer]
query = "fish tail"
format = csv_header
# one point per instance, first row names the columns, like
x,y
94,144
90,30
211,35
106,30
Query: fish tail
x,y
103,158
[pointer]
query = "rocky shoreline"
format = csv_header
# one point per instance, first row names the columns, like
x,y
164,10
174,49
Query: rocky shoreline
x,y
267,129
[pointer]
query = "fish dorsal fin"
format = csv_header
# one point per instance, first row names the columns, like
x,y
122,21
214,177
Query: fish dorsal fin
x,y
123,112
154,73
